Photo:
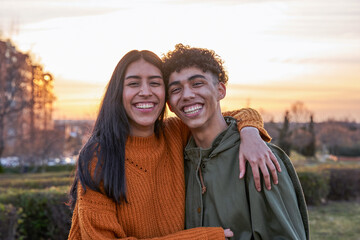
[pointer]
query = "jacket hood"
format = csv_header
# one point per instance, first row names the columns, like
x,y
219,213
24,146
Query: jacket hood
x,y
225,140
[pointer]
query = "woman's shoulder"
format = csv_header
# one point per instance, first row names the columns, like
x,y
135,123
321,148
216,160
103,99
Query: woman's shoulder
x,y
176,129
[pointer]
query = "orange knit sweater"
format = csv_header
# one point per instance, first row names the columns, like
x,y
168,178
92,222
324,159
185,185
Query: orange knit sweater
x,y
155,183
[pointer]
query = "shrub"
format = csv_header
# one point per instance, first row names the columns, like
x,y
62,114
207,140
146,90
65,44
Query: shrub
x,y
344,184
44,214
315,186
35,169
349,151
9,217
35,183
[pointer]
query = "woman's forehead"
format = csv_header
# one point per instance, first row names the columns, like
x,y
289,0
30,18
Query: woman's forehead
x,y
142,67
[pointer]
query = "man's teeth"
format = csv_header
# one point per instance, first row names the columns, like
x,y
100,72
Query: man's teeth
x,y
144,105
192,109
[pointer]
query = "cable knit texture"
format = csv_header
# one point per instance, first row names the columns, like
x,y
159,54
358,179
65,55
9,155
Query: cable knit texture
x,y
154,169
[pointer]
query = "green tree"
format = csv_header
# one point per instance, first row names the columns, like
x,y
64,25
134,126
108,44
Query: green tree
x,y
285,134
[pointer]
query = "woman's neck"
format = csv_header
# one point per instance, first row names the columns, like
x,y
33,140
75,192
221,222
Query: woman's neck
x,y
141,131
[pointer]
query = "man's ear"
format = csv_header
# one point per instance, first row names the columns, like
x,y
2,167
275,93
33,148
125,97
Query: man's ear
x,y
169,106
221,91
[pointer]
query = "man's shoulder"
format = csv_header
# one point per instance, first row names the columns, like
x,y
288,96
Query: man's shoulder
x,y
277,150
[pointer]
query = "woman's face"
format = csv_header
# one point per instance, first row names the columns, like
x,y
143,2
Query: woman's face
x,y
143,97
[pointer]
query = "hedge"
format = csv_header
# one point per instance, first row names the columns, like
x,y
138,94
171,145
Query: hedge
x,y
344,184
39,169
338,184
315,186
44,214
35,183
35,213
9,219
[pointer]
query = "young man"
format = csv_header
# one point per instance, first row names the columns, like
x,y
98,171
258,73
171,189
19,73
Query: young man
x,y
196,83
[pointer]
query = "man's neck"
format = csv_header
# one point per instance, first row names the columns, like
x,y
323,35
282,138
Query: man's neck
x,y
205,135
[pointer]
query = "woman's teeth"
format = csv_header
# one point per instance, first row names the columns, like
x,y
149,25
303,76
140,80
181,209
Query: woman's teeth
x,y
144,105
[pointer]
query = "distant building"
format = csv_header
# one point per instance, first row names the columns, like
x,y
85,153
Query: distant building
x,y
74,134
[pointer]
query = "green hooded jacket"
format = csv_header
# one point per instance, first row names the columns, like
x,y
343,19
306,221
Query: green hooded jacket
x,y
228,202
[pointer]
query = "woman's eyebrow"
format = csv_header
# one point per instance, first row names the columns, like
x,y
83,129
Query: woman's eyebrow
x,y
133,76
138,77
155,76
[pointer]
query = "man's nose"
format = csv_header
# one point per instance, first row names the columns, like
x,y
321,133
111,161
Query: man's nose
x,y
188,93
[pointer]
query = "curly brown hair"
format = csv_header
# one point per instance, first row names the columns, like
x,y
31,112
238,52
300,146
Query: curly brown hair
x,y
185,56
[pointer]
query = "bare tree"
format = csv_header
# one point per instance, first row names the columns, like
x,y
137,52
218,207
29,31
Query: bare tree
x,y
26,100
300,113
15,78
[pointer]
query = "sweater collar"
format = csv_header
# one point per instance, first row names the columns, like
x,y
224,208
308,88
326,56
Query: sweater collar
x,y
143,142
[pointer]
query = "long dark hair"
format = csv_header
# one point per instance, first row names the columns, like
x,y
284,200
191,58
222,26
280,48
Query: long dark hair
x,y
106,144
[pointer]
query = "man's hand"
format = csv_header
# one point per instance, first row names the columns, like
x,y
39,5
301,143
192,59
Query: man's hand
x,y
228,233
254,150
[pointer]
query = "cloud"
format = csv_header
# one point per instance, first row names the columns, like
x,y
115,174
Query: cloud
x,y
320,19
25,12
334,60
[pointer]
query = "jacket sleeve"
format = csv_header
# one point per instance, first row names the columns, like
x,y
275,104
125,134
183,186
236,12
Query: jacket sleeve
x,y
95,217
279,213
248,117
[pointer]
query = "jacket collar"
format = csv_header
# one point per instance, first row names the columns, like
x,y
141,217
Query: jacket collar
x,y
222,142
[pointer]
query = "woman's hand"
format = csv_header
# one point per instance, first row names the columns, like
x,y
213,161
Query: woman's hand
x,y
254,150
228,233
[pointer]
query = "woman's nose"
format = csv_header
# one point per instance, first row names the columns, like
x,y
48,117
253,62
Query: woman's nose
x,y
145,90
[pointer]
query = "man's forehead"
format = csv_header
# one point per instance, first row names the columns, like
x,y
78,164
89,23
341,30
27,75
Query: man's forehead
x,y
188,73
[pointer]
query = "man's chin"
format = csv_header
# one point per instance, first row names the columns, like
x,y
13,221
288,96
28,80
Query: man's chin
x,y
193,124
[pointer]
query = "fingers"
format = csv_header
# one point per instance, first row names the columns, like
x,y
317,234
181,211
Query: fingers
x,y
272,170
266,176
242,165
228,233
255,171
275,161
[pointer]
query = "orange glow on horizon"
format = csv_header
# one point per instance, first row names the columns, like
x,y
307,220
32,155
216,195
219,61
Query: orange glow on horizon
x,y
81,100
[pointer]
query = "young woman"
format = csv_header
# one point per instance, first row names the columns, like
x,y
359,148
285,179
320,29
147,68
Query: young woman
x,y
129,181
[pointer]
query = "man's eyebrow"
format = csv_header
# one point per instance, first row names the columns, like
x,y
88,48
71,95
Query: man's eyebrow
x,y
189,79
174,83
196,76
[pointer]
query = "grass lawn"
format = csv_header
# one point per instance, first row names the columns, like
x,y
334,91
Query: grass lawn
x,y
334,221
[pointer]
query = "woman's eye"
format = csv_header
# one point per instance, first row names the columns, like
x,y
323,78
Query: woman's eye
x,y
132,84
155,84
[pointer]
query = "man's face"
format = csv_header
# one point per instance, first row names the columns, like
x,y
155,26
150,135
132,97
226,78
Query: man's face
x,y
194,97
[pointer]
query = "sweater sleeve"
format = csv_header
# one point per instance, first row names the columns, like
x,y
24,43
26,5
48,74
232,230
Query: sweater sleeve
x,y
95,217
279,213
248,117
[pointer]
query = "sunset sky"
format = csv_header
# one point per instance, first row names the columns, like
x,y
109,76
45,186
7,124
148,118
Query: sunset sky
x,y
276,52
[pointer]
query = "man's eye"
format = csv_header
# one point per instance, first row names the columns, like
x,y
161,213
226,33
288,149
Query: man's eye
x,y
174,90
197,84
